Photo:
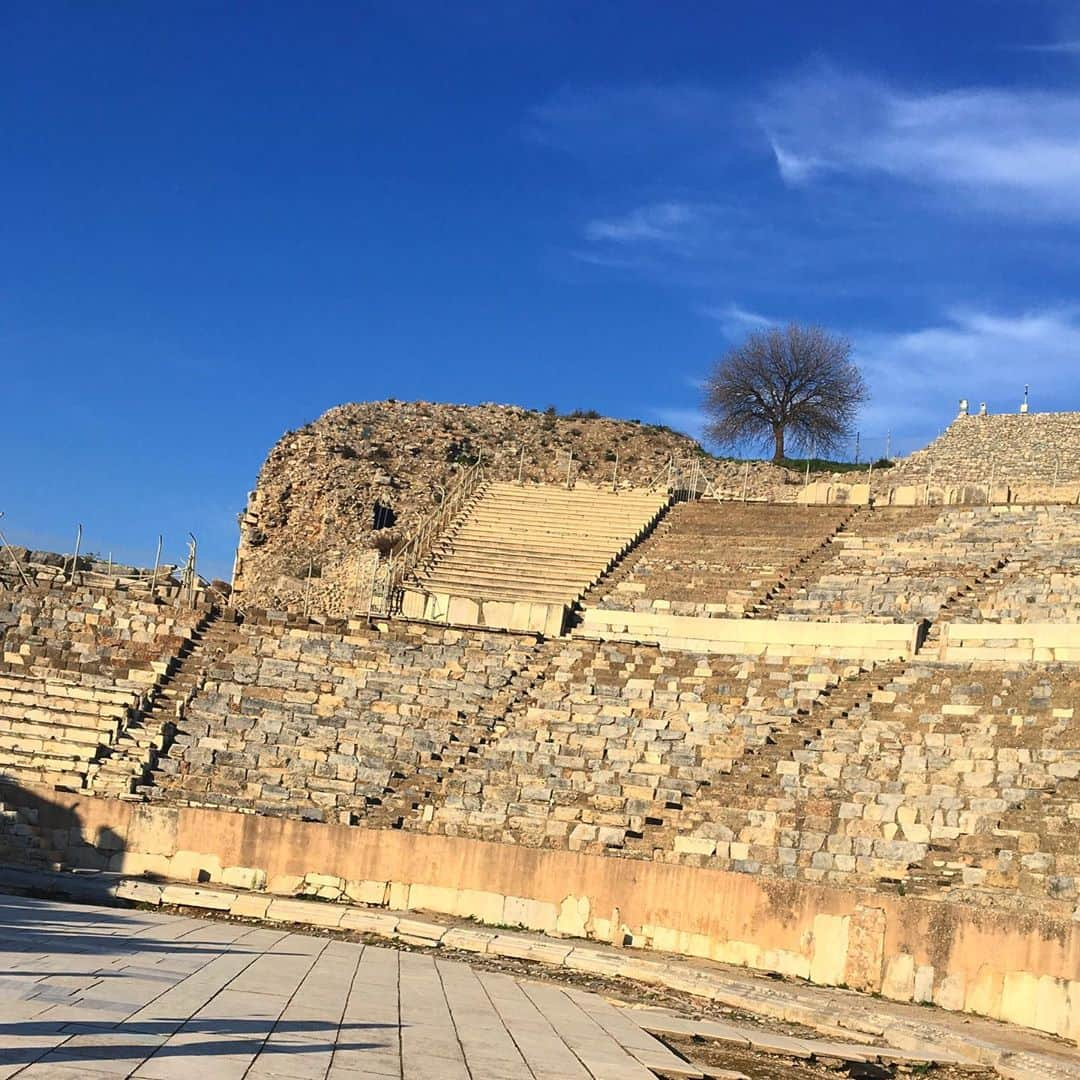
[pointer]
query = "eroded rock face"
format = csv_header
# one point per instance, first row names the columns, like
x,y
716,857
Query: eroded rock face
x,y
363,475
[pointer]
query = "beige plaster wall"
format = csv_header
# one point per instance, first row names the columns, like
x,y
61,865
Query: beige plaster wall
x,y
1014,967
754,637
1015,642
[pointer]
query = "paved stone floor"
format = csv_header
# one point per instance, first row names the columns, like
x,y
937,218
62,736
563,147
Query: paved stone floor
x,y
99,992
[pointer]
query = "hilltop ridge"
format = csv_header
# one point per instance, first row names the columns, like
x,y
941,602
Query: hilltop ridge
x,y
365,474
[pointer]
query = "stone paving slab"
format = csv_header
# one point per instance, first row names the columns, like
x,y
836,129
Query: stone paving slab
x,y
92,993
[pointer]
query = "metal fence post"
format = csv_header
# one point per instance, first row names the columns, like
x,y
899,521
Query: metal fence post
x,y
75,557
157,562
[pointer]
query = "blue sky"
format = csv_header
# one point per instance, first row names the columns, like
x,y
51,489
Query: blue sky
x,y
220,220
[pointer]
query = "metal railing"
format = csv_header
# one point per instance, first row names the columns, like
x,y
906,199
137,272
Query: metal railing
x,y
683,480
402,561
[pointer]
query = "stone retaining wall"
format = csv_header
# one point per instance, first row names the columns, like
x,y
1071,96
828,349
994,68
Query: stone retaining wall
x,y
1014,967
1011,642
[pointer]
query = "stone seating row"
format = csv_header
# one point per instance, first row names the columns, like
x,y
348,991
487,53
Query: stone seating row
x,y
54,730
536,543
615,740
946,780
339,728
716,558
77,628
913,573
719,559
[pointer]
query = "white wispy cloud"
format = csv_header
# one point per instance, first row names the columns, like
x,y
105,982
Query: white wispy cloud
x,y
918,376
1010,149
738,321
663,222
670,227
689,421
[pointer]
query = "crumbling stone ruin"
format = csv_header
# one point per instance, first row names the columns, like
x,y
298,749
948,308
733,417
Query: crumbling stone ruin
x,y
335,493
839,743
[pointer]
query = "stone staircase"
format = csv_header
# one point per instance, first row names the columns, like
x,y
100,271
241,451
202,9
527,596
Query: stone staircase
x,y
538,543
798,576
969,594
128,762
54,726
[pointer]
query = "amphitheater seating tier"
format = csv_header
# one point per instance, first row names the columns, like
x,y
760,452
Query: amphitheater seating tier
x,y
717,559
78,665
54,729
954,779
873,573
537,542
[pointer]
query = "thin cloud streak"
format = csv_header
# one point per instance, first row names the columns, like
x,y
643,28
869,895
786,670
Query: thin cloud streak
x,y
664,223
628,119
737,321
1065,47
1014,151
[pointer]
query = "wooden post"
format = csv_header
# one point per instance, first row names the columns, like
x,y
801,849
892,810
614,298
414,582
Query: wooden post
x,y
615,473
521,466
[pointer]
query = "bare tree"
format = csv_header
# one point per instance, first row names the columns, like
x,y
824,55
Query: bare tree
x,y
795,384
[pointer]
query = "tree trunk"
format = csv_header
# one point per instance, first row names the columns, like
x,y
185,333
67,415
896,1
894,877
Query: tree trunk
x,y
778,437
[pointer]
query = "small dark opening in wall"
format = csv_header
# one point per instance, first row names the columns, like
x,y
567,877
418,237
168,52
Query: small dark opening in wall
x,y
383,516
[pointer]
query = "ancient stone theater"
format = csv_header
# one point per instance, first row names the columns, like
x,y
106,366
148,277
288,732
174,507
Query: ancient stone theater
x,y
573,675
